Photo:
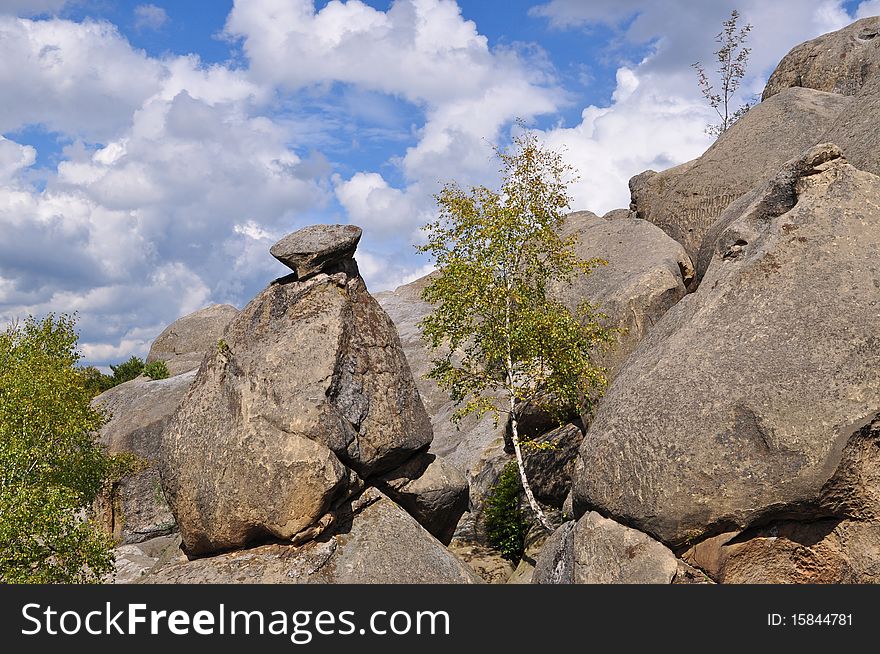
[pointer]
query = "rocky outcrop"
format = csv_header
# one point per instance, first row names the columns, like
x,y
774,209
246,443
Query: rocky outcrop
x,y
307,393
753,399
646,274
318,249
431,490
134,508
839,62
856,131
595,550
182,345
376,543
686,200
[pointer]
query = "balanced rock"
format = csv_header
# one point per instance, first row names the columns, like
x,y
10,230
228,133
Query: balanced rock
x,y
182,345
838,62
596,550
686,200
375,543
134,509
307,390
318,248
748,401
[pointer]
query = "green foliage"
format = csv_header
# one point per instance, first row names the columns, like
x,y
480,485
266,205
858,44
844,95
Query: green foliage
x,y
505,523
733,60
500,336
51,468
156,370
127,371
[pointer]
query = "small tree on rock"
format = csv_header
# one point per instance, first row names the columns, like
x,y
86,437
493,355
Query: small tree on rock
x,y
500,339
733,60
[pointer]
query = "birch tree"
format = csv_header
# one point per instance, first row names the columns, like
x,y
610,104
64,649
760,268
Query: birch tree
x,y
499,339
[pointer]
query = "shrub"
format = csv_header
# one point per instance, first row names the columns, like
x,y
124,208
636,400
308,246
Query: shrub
x,y
505,521
127,371
156,370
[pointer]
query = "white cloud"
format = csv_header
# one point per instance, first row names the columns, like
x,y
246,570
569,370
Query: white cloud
x,y
868,8
149,17
14,157
384,274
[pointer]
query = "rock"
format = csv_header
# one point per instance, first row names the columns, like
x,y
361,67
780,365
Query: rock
x,y
318,248
830,551
838,62
183,344
856,129
555,562
135,560
595,550
647,273
135,508
549,470
753,398
686,200
487,563
310,383
431,490
379,544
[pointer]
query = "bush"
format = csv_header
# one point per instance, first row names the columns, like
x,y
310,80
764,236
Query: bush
x,y
505,522
127,371
51,467
156,370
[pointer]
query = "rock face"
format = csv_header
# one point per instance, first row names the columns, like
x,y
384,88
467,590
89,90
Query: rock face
x,y
135,509
839,62
595,550
308,390
316,249
686,200
855,130
753,399
431,490
182,345
549,466
377,544
647,273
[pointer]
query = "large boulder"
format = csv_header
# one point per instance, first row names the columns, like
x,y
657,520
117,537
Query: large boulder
x,y
182,345
376,543
596,550
307,391
686,200
749,401
646,274
318,248
838,62
134,507
549,462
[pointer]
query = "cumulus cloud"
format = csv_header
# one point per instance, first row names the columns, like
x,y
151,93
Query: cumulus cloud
x,y
868,8
149,17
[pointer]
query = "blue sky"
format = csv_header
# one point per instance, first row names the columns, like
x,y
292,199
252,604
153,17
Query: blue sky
x,y
151,152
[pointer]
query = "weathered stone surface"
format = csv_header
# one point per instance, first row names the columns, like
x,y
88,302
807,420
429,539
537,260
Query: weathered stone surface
x,y
317,248
596,550
310,382
182,345
857,129
134,561
379,544
647,273
751,398
431,490
135,508
549,470
686,200
838,62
